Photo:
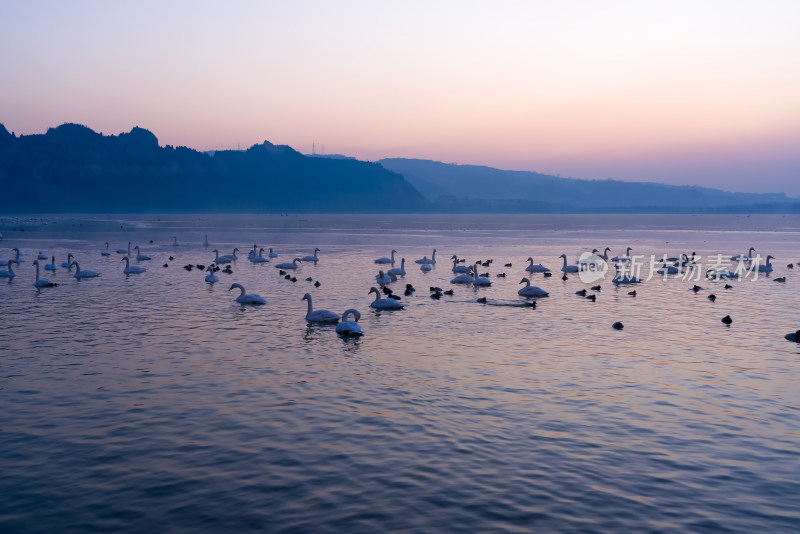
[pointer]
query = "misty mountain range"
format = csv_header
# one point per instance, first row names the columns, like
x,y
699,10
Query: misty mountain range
x,y
71,168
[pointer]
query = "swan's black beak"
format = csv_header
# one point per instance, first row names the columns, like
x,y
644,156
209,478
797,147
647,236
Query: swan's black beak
x,y
230,288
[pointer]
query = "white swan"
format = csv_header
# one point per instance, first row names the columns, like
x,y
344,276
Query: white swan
x,y
463,278
175,242
742,257
622,259
41,256
205,241
313,258
42,282
51,266
85,273
260,258
319,316
399,271
425,259
247,298
568,268
252,254
211,277
539,268
132,269
227,258
624,278
458,268
387,260
8,273
126,251
767,267
385,278
140,256
68,264
479,281
425,267
17,258
292,265
531,291
667,269
272,254
350,328
384,304
105,252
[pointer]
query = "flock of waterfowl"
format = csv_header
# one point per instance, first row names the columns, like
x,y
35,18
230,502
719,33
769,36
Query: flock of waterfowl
x,y
385,299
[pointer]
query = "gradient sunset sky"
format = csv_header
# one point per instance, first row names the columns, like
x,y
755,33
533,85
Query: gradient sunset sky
x,y
682,92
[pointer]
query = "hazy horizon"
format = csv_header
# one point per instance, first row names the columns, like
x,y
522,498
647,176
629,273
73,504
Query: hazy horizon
x,y
696,94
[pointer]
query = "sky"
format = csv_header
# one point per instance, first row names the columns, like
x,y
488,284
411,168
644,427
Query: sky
x,y
681,92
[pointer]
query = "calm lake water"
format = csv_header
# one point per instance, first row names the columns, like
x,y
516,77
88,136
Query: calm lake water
x,y
155,402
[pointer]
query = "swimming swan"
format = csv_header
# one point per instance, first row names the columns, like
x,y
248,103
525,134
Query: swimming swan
x,y
105,252
626,257
399,271
767,267
292,265
425,259
479,281
132,269
313,258
319,316
126,251
568,268
17,258
41,256
8,273
531,291
42,282
349,328
260,258
387,260
272,254
536,268
211,277
68,264
458,268
742,257
384,304
51,266
86,273
140,256
249,298
385,278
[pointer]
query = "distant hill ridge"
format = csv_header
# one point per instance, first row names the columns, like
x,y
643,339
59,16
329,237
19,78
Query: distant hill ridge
x,y
73,168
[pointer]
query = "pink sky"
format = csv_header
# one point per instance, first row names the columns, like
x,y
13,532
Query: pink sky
x,y
688,93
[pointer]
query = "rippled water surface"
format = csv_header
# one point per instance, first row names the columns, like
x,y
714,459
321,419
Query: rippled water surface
x,y
156,403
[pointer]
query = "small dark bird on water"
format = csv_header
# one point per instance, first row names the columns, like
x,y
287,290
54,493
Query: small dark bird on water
x,y
439,289
501,275
281,272
728,286
582,292
507,265
548,275
482,300
485,275
696,288
449,292
618,326
171,258
188,267
632,293
293,279
727,320
781,279
201,267
793,337
595,288
317,284
395,297
386,291
565,277
712,297
407,292
287,277
409,287
790,266
436,295
228,270
593,298
309,279
166,265
532,304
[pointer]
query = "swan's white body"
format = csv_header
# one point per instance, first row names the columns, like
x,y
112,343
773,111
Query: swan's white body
x,y
479,281
387,260
426,267
568,268
126,251
399,271
350,328
105,252
313,258
458,268
51,266
620,279
272,254
742,257
68,264
385,278
211,277
41,256
131,269
625,258
140,256
539,268
8,273
228,258
260,258
41,282
247,298
384,304
767,267
319,316
83,273
425,259
531,291
464,278
291,266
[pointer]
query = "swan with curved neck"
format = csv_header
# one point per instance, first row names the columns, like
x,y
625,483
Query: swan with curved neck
x,y
131,269
742,257
387,260
139,255
3,263
350,328
531,291
83,273
539,268
105,252
568,268
767,267
52,265
8,273
624,278
479,281
384,304
292,265
313,258
211,277
126,251
425,260
68,264
247,298
626,257
260,257
319,316
272,254
385,278
399,271
458,268
42,282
